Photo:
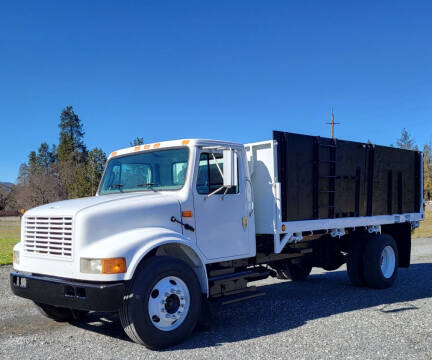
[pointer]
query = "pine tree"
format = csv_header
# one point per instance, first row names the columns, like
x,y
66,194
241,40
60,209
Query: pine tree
x,y
427,170
96,164
406,141
65,171
72,155
71,145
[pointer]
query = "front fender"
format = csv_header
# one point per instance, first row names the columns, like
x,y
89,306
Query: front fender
x,y
135,244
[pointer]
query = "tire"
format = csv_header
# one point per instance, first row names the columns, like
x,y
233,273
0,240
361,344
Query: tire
x,y
60,314
381,261
168,289
355,259
295,272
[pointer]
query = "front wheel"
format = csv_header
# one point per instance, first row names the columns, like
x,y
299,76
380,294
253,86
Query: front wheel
x,y
162,304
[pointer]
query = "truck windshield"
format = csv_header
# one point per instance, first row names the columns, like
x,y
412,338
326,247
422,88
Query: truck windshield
x,y
147,171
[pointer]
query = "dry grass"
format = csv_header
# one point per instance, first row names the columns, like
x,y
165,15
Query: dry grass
x,y
425,229
9,236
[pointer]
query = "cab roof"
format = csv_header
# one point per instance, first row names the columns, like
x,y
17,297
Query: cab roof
x,y
174,143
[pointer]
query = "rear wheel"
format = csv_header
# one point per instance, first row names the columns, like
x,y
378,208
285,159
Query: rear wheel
x,y
60,314
162,304
381,261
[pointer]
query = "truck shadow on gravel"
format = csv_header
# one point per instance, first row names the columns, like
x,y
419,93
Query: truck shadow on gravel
x,y
288,305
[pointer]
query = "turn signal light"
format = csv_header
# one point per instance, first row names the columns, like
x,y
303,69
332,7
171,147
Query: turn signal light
x,y
187,213
113,266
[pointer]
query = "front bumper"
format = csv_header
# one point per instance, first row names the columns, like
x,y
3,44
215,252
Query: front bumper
x,y
66,293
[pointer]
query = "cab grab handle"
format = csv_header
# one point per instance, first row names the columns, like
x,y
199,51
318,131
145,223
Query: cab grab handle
x,y
186,226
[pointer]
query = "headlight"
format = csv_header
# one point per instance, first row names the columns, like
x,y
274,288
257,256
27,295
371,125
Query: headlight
x,y
103,266
16,257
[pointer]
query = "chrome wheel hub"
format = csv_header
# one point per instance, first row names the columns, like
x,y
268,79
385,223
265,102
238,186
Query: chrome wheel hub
x,y
168,303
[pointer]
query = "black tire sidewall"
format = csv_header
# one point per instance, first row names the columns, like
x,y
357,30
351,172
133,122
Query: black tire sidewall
x,y
355,258
372,261
156,269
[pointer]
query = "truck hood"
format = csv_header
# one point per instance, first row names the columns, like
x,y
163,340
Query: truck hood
x,y
71,207
98,217
94,219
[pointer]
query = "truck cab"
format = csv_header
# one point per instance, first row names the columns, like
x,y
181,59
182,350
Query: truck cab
x,y
186,199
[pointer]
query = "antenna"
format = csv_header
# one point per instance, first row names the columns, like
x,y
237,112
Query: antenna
x,y
332,123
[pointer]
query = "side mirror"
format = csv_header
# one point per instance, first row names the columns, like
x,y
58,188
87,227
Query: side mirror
x,y
230,168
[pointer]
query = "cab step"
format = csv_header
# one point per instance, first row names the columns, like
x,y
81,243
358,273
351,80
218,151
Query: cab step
x,y
240,275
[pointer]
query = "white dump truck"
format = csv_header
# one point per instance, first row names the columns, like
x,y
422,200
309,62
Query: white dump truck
x,y
179,223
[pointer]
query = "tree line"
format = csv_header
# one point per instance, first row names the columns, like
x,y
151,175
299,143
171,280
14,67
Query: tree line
x,y
57,172
69,170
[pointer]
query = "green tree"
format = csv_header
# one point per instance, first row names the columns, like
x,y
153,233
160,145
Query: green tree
x,y
72,155
406,141
61,172
45,157
96,164
71,144
137,141
427,170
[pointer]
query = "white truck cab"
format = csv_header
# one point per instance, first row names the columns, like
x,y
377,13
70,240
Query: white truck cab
x,y
178,222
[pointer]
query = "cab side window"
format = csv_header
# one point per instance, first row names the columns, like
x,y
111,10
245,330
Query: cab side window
x,y
209,177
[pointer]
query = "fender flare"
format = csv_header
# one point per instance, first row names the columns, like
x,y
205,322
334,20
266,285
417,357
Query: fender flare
x,y
165,240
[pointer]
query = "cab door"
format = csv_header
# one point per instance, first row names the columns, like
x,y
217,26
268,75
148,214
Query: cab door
x,y
221,218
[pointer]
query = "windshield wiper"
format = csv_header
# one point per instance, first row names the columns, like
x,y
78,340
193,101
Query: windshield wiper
x,y
150,185
117,186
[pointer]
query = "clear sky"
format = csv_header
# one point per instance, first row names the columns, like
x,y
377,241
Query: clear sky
x,y
233,70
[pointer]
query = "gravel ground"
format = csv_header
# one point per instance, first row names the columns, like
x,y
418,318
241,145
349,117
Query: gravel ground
x,y
324,317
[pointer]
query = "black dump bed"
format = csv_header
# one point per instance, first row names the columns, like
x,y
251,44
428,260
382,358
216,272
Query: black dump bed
x,y
331,178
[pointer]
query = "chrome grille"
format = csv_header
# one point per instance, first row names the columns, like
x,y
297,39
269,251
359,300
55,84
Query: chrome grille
x,y
48,236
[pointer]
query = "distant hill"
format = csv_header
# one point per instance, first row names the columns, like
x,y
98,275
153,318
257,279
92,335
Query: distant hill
x,y
6,185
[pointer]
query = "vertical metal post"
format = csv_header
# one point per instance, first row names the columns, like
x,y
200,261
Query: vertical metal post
x,y
332,123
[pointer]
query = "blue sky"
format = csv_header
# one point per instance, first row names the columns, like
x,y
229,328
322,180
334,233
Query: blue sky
x,y
233,70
